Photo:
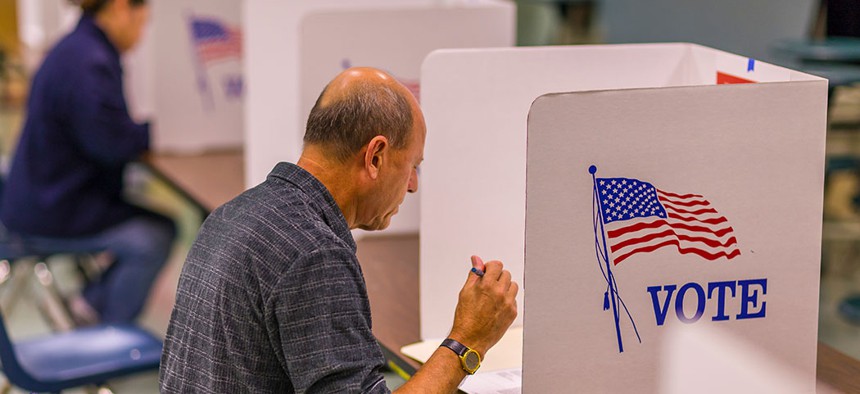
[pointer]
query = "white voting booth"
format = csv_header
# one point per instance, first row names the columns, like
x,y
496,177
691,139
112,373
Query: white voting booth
x,y
651,113
196,58
184,75
702,206
297,47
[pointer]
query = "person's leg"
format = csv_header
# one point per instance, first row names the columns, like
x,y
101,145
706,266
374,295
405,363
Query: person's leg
x,y
140,246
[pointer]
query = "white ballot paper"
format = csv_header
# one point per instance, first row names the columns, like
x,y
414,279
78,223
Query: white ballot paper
x,y
504,381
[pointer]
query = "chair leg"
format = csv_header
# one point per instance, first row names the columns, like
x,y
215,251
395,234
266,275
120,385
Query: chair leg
x,y
15,284
104,389
52,302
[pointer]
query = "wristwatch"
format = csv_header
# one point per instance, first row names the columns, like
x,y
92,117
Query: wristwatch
x,y
470,360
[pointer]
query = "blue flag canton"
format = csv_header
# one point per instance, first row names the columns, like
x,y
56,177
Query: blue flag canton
x,y
206,29
625,199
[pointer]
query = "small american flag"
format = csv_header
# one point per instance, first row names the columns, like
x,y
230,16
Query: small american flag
x,y
640,218
214,40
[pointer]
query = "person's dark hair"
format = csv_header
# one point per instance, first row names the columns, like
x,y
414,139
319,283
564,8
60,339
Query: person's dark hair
x,y
92,7
347,123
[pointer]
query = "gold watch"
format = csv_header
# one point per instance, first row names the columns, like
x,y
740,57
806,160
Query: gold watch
x,y
470,360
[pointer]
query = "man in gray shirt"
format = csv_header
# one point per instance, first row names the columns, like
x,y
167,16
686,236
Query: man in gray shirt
x,y
272,298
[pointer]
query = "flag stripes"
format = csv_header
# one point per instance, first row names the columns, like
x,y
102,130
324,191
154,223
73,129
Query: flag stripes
x,y
641,218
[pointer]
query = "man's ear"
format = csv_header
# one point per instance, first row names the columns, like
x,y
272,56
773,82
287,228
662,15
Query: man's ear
x,y
375,154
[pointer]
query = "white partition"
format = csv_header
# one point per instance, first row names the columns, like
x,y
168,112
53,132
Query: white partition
x,y
197,79
391,34
660,217
194,103
318,39
474,179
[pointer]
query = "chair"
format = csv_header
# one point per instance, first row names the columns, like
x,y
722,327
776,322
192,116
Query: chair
x,y
83,357
15,252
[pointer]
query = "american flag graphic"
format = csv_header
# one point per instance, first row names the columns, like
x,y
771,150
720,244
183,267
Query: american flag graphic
x,y
640,218
215,40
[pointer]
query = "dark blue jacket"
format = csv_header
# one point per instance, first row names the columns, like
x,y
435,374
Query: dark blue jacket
x,y
66,177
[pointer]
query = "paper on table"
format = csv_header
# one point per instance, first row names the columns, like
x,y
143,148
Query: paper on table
x,y
505,381
507,354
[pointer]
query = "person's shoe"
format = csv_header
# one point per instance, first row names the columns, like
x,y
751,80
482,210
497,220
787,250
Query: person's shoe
x,y
81,311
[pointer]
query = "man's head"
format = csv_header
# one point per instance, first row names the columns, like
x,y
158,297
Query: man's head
x,y
369,130
122,20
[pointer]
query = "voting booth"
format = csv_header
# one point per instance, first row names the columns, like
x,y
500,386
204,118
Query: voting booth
x,y
476,104
185,75
751,150
695,205
316,40
196,79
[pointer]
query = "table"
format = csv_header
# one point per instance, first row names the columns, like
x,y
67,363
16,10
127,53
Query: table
x,y
390,266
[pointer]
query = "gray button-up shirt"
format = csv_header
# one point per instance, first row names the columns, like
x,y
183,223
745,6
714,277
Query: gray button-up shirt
x,y
272,299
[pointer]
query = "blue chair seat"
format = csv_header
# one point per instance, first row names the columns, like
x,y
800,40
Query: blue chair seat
x,y
89,356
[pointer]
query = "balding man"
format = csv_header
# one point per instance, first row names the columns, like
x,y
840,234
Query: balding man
x,y
272,299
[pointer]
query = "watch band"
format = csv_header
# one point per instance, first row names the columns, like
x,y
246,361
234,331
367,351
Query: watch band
x,y
458,348
470,359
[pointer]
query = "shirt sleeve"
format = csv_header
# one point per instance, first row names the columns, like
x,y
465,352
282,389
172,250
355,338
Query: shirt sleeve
x,y
324,321
100,118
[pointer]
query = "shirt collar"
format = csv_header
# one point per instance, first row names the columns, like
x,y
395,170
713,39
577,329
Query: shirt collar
x,y
318,194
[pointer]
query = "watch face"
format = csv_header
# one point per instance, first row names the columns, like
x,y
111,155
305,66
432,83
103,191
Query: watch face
x,y
472,360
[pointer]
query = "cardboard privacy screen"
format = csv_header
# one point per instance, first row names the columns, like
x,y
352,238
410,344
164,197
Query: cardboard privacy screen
x,y
198,83
297,46
651,209
396,40
476,103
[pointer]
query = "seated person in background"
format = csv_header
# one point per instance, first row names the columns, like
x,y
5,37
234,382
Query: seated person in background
x,y
272,298
64,189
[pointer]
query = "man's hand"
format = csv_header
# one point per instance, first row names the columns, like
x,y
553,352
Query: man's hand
x,y
486,308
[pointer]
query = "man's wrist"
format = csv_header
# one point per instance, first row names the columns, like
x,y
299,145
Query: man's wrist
x,y
471,342
470,360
